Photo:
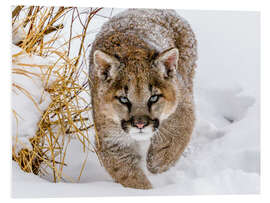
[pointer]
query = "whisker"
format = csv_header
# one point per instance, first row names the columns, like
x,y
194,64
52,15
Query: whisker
x,y
169,132
160,136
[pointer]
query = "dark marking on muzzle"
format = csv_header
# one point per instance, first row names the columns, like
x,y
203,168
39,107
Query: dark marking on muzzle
x,y
139,122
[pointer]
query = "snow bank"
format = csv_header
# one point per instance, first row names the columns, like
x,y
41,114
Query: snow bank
x,y
29,98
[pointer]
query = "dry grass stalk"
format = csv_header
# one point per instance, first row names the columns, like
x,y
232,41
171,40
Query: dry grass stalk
x,y
65,114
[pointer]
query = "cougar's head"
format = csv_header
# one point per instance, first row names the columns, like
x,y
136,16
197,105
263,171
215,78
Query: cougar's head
x,y
138,93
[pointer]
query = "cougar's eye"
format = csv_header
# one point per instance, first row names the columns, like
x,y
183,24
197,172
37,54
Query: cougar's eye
x,y
123,100
154,98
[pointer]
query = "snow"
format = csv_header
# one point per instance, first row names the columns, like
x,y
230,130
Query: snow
x,y
26,115
223,156
18,32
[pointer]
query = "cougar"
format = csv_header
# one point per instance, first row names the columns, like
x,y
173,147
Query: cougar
x,y
142,64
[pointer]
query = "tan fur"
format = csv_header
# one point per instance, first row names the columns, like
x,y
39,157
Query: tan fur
x,y
128,58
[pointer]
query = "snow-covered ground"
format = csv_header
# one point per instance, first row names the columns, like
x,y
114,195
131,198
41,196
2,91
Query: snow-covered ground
x,y
223,156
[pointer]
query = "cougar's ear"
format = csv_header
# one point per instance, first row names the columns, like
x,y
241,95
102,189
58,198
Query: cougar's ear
x,y
106,66
167,62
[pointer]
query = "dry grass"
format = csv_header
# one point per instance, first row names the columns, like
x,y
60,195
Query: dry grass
x,y
65,115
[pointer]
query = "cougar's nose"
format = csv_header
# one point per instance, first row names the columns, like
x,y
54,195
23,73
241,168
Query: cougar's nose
x,y
140,125
140,121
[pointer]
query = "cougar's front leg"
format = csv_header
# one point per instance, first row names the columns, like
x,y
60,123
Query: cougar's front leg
x,y
122,163
162,156
169,142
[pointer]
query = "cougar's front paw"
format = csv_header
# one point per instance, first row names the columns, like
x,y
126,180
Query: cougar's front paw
x,y
136,182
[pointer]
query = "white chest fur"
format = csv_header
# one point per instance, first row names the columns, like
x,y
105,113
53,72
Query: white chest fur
x,y
157,180
142,147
